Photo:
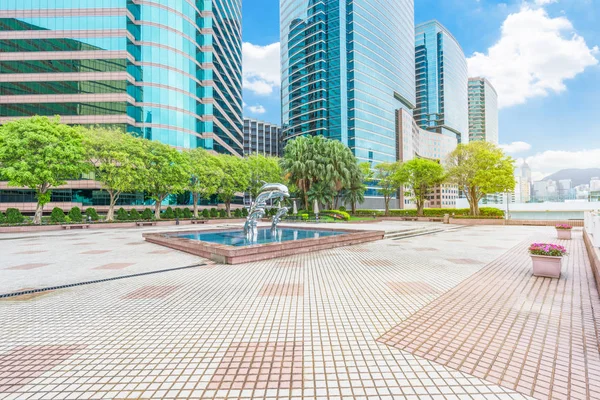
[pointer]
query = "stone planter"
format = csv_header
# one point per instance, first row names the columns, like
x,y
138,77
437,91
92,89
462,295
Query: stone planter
x,y
547,266
564,234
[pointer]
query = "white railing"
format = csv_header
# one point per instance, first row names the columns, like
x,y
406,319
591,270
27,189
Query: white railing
x,y
591,222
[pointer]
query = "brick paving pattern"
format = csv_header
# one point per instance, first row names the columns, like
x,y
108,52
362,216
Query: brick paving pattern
x,y
300,327
538,336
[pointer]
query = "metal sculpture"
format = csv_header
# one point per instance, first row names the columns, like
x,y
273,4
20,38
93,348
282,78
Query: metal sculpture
x,y
269,191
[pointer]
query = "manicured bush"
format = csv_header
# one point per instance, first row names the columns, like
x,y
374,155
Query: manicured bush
x,y
75,214
491,212
244,212
368,213
168,214
187,213
147,214
214,213
91,212
205,213
134,215
57,215
2,218
342,208
339,214
122,215
237,213
14,216
178,213
222,213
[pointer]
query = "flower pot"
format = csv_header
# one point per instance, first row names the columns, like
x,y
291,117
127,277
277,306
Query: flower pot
x,y
547,266
564,234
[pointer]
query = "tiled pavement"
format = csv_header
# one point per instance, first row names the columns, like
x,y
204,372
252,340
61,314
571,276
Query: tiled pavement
x,y
304,326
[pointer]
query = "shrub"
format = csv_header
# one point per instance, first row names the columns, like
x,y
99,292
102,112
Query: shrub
x,y
178,213
490,212
342,208
545,249
337,214
244,212
222,213
14,216
75,214
2,218
134,215
122,215
368,213
91,212
168,214
237,213
214,213
147,214
205,213
187,213
57,215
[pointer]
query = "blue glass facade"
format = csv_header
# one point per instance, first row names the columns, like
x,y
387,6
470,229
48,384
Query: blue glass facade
x,y
347,68
441,82
166,70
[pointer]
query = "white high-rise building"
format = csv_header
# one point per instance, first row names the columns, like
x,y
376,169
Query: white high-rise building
x,y
483,111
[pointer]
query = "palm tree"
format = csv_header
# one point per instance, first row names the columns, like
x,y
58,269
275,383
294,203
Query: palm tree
x,y
322,193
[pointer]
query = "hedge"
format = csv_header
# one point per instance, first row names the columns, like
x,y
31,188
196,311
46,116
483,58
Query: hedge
x,y
168,214
2,218
14,216
75,214
134,215
147,214
57,215
337,213
434,212
187,213
122,215
205,213
91,212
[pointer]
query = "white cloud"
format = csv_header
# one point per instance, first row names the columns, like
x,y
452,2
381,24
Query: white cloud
x,y
257,109
534,56
261,68
515,147
550,161
544,2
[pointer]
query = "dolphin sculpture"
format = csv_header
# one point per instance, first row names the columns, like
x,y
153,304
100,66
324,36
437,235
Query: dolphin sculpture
x,y
269,191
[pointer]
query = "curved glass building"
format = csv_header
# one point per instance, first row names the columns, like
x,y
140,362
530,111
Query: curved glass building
x,y
347,67
442,82
166,70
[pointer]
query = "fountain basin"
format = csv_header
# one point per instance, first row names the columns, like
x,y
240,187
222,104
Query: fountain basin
x,y
229,246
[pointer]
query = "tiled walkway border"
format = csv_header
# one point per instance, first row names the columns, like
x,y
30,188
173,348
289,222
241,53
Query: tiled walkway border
x,y
594,256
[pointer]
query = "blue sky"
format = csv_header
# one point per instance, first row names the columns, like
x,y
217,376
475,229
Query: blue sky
x,y
549,90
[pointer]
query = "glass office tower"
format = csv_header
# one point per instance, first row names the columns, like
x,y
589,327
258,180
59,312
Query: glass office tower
x,y
347,67
441,82
165,70
483,111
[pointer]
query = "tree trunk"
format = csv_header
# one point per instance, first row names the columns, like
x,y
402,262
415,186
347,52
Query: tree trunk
x,y
157,207
111,205
387,205
353,207
228,208
306,205
39,210
195,199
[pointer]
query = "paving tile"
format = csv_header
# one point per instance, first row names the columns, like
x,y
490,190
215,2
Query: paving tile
x,y
28,266
95,252
282,289
32,252
152,292
115,266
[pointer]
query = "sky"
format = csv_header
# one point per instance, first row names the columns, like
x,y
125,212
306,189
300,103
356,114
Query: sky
x,y
543,57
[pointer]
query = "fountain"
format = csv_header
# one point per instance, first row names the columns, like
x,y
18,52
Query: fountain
x,y
269,191
236,246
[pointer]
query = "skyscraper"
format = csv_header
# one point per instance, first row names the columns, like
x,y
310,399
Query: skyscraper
x,y
483,111
442,103
164,70
347,67
261,138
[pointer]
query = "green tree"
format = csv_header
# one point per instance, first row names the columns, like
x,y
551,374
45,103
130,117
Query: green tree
x,y
91,213
75,214
206,175
134,215
322,193
354,193
147,214
312,159
122,214
421,175
116,159
166,172
236,178
263,169
57,215
478,169
40,153
387,176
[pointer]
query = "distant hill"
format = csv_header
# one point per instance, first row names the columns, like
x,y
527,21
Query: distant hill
x,y
578,176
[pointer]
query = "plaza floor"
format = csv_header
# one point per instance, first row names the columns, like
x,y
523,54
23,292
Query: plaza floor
x,y
455,314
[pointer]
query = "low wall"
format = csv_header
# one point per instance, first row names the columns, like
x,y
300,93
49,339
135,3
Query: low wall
x,y
594,255
111,225
513,222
